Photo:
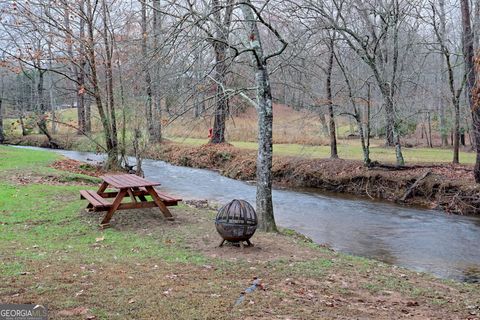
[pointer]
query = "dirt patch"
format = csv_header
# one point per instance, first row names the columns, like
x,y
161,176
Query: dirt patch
x,y
196,231
48,179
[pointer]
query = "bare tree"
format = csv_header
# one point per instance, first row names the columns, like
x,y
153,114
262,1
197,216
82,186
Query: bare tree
x,y
220,46
442,36
469,56
148,78
265,113
328,83
376,44
363,131
455,90
157,67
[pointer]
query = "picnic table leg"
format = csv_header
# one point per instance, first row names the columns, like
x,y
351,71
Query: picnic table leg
x,y
130,193
114,207
102,188
163,208
142,198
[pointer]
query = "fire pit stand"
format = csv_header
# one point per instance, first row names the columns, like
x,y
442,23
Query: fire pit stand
x,y
236,222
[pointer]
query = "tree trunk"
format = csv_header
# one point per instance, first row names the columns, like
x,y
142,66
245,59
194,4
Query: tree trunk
x,y
156,87
221,102
221,68
429,119
442,102
42,109
22,124
323,123
476,26
476,117
468,54
333,138
265,124
398,148
366,141
113,152
88,113
456,132
390,121
393,131
73,66
148,78
265,151
80,74
2,135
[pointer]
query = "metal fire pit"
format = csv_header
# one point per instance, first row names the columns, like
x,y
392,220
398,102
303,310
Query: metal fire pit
x,y
236,222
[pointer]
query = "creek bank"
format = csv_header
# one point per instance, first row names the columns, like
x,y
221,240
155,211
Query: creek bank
x,y
436,186
445,187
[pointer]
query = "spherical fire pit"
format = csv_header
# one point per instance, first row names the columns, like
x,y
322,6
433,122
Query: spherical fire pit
x,y
236,222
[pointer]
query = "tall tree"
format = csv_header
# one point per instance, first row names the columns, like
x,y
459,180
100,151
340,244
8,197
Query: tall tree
x,y
220,46
328,83
84,116
156,75
109,47
111,146
265,113
469,56
454,88
146,72
363,126
442,35
75,74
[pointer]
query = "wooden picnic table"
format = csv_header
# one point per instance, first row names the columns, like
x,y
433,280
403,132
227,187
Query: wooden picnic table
x,y
127,185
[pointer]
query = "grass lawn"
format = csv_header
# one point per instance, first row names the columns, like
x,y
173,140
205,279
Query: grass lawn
x,y
350,150
144,267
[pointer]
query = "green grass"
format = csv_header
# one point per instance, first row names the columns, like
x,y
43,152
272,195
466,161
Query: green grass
x,y
15,158
39,221
349,150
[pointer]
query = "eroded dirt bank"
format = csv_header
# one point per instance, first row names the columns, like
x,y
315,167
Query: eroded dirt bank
x,y
440,186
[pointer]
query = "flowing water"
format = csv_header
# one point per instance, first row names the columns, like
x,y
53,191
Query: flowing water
x,y
423,240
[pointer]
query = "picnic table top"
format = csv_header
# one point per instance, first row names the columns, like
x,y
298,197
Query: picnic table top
x,y
121,181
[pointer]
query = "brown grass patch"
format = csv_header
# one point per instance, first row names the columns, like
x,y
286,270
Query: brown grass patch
x,y
299,281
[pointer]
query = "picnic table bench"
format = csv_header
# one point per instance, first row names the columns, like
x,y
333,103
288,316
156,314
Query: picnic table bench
x,y
128,185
